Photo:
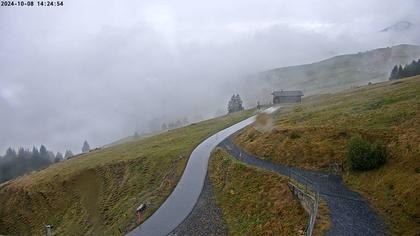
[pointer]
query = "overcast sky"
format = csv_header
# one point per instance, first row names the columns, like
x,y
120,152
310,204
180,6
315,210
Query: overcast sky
x,y
101,70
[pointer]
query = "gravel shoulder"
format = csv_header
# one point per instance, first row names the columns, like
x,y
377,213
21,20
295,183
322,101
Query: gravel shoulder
x,y
350,212
206,217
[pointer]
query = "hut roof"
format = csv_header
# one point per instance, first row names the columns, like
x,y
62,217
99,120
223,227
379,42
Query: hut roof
x,y
283,93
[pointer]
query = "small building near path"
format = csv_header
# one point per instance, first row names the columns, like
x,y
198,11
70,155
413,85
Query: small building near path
x,y
287,96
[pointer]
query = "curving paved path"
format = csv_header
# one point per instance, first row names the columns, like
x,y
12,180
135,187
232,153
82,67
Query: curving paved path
x,y
182,200
350,213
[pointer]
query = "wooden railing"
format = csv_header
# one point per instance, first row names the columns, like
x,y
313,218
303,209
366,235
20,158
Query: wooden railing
x,y
308,193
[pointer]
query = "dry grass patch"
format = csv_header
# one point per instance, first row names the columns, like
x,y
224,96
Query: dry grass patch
x,y
295,146
323,219
254,201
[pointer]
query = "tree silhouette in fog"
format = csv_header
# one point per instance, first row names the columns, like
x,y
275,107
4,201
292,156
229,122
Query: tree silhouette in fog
x,y
408,70
235,104
85,147
14,164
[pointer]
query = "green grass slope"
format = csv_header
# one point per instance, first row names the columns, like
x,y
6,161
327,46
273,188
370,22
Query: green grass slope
x,y
316,133
97,193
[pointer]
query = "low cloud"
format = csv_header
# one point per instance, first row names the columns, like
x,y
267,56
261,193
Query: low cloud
x,y
99,71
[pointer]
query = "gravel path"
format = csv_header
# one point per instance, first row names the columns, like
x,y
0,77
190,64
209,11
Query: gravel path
x,y
206,217
350,212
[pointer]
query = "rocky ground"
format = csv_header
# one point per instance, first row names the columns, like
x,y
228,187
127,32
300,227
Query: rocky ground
x,y
206,217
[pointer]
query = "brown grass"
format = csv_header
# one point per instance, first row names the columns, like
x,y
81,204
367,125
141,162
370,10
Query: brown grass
x,y
257,202
323,219
296,146
315,134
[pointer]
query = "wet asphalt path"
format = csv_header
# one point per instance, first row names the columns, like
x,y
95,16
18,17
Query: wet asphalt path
x,y
350,213
182,200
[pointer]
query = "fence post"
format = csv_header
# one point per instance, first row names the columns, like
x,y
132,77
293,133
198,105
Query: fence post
x,y
48,230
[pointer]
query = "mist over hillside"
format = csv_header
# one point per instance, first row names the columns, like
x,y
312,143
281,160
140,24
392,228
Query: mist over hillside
x,y
399,26
100,72
133,98
333,74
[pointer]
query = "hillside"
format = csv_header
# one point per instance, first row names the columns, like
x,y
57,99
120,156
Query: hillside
x,y
129,139
331,75
97,193
315,134
258,202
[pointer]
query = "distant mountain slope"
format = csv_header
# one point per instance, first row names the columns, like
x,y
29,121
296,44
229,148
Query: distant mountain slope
x,y
334,74
399,26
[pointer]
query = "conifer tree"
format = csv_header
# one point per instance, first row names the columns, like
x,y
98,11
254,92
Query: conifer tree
x,y
43,152
68,154
85,147
408,70
394,73
235,104
58,157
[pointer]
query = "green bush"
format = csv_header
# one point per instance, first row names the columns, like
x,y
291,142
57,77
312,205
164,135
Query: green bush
x,y
294,135
363,155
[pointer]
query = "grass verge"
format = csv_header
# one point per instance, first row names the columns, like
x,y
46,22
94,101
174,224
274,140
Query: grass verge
x,y
256,202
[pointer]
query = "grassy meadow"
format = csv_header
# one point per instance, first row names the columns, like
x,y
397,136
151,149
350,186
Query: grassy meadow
x,y
315,134
97,193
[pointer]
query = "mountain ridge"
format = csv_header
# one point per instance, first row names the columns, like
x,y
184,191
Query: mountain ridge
x,y
399,26
343,56
329,75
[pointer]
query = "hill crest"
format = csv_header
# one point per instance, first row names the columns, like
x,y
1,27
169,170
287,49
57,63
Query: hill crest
x,y
330,75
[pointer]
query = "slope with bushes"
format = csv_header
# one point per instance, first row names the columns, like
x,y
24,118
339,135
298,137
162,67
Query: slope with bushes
x,y
316,134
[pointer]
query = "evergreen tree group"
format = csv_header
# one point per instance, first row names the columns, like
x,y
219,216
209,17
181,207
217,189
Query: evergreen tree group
x,y
400,71
15,163
85,147
235,104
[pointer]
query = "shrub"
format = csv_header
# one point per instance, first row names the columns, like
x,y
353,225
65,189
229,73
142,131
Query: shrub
x,y
363,155
294,135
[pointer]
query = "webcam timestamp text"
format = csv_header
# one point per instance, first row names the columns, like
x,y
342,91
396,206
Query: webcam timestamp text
x,y
32,3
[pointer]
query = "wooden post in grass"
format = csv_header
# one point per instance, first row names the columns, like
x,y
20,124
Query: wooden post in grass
x,y
48,230
139,212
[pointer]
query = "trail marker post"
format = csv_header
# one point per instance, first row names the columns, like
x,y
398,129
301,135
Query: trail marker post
x,y
139,212
48,230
